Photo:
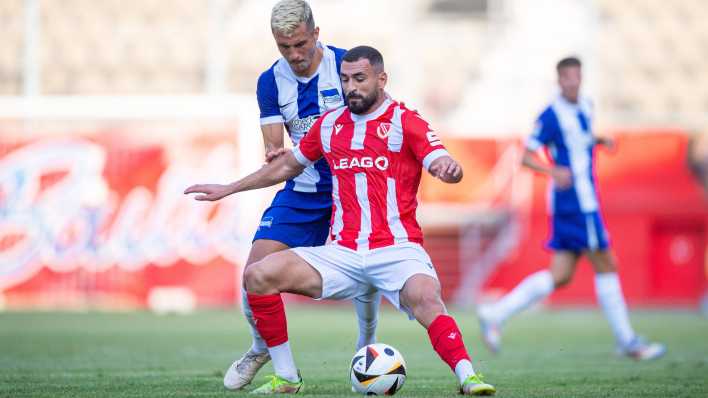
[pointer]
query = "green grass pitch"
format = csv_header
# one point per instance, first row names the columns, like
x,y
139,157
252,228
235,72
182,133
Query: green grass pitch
x,y
550,354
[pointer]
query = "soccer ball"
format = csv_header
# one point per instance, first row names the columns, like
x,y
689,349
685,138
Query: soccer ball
x,y
378,369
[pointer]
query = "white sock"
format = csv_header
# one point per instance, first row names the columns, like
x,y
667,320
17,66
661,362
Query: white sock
x,y
532,289
609,295
463,370
258,345
283,362
367,313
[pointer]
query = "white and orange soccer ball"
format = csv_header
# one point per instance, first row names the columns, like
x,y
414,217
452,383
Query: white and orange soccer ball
x,y
378,369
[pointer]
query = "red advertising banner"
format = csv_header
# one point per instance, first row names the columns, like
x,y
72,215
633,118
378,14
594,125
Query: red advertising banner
x,y
98,220
102,222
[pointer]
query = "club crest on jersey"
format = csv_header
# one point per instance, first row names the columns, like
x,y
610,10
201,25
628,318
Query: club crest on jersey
x,y
364,162
331,96
383,130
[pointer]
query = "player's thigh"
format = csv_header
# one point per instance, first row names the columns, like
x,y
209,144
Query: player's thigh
x,y
602,260
283,271
282,228
341,271
263,247
563,264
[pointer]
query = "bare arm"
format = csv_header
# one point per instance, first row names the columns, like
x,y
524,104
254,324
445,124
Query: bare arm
x,y
281,169
273,140
561,175
446,169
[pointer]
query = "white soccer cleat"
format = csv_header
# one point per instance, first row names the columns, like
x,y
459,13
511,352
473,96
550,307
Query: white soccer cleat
x,y
491,331
641,350
243,370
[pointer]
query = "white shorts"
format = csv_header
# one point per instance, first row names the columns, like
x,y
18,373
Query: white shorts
x,y
347,274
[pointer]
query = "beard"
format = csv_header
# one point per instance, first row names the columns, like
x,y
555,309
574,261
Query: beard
x,y
359,104
300,67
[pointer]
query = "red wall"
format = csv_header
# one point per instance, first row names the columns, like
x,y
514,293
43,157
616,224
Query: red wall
x,y
654,208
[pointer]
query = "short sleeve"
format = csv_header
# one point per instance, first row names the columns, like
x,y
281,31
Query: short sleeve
x,y
309,150
267,95
422,140
542,132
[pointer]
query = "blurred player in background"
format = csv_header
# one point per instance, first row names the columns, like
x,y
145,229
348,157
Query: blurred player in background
x,y
376,148
698,164
292,94
564,128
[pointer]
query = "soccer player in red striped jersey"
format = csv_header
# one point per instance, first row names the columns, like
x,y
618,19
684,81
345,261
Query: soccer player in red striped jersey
x,y
375,148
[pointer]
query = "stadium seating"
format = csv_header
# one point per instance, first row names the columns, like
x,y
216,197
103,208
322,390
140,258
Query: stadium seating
x,y
646,57
11,47
651,55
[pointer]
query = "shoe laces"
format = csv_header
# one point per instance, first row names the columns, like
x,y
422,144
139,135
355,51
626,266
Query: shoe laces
x,y
272,380
476,378
250,355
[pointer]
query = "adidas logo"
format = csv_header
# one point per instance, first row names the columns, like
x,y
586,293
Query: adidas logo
x,y
452,335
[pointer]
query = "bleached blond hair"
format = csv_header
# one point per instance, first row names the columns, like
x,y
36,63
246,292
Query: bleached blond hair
x,y
287,15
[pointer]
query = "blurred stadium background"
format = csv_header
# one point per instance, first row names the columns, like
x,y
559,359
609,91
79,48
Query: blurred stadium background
x,y
110,108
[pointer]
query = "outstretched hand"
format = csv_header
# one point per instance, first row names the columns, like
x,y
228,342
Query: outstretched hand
x,y
210,192
446,169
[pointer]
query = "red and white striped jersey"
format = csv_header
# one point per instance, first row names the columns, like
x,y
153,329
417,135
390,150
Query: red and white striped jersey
x,y
376,168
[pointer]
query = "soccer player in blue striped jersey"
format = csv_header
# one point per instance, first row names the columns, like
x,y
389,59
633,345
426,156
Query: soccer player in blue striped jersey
x,y
565,129
292,94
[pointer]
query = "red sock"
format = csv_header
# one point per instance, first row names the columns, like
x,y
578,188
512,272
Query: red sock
x,y
447,340
269,314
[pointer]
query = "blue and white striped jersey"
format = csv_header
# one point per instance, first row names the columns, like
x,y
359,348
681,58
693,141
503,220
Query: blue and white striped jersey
x,y
565,129
284,97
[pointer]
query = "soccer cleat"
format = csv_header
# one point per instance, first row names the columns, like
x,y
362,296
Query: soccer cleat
x,y
640,350
279,385
243,370
491,332
474,385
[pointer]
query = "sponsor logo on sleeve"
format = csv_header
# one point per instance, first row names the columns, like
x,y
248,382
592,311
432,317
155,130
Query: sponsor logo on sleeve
x,y
433,138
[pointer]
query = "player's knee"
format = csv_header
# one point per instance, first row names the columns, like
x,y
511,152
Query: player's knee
x,y
605,268
603,262
606,264
562,279
428,304
258,278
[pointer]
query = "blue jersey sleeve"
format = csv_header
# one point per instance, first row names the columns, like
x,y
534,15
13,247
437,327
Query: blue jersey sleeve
x,y
267,94
543,132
